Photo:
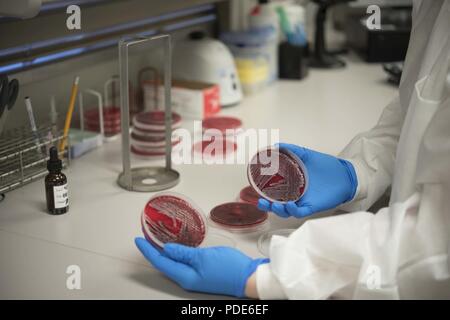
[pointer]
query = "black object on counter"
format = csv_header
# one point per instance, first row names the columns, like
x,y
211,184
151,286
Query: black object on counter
x,y
56,185
321,58
388,44
292,61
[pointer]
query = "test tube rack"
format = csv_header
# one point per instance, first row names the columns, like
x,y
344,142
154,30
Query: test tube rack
x,y
24,155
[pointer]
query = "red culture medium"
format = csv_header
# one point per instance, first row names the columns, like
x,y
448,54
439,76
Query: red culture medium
x,y
152,142
154,120
215,147
238,215
249,195
148,134
109,113
288,183
171,218
111,120
221,123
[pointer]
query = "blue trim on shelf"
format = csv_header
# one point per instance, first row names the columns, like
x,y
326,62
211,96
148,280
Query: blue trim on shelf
x,y
74,52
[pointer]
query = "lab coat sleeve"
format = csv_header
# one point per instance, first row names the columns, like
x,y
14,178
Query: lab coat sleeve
x,y
340,256
372,154
315,261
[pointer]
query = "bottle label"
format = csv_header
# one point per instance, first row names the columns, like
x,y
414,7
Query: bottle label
x,y
61,196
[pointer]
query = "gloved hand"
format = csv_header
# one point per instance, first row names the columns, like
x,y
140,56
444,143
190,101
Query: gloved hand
x,y
332,181
219,270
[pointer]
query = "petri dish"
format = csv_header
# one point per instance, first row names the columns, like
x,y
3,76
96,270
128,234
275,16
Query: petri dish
x,y
151,142
106,122
109,114
238,217
215,147
148,153
154,120
285,178
221,123
249,195
149,133
106,127
171,217
264,240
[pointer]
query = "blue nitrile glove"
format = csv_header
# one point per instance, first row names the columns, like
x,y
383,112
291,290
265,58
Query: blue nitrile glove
x,y
218,270
332,181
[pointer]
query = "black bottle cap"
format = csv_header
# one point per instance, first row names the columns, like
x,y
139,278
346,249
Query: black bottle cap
x,y
197,35
54,163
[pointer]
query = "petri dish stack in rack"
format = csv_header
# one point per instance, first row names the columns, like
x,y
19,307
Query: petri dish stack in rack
x,y
148,138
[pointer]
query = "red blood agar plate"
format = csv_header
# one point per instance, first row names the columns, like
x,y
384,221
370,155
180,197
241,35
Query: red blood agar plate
x,y
152,142
155,153
238,217
154,120
109,123
214,147
171,217
149,133
109,114
277,175
249,195
221,123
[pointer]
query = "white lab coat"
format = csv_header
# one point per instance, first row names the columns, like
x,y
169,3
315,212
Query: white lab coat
x,y
403,251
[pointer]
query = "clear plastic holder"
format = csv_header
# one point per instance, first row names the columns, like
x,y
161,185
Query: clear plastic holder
x,y
264,240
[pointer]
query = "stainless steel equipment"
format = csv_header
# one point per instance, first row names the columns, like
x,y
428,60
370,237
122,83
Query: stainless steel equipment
x,y
22,160
146,179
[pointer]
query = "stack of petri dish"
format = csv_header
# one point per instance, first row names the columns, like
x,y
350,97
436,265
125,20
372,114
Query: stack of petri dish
x,y
148,136
218,136
111,121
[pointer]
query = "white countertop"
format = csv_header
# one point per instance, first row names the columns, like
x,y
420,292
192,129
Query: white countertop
x,y
323,112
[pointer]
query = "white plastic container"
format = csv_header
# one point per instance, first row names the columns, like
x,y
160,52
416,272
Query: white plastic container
x,y
257,46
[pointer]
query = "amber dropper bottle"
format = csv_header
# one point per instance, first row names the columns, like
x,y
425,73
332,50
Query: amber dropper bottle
x,y
56,185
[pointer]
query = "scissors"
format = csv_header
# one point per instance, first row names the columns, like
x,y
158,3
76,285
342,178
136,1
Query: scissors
x,y
9,91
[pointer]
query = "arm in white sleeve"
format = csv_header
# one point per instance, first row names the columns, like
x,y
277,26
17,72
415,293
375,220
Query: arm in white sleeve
x,y
353,255
373,156
403,251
